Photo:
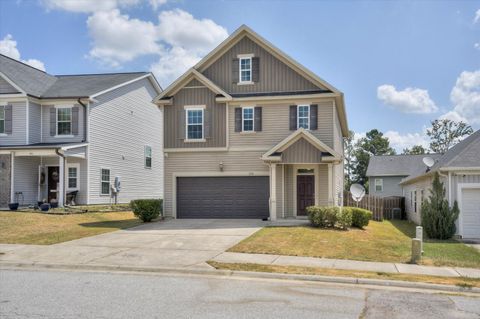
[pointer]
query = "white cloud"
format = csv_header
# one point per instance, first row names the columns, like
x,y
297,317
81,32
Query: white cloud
x,y
117,38
8,47
401,141
172,63
477,16
410,100
157,3
465,97
87,6
477,45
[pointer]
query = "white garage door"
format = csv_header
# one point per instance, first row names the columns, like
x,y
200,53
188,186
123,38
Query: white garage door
x,y
471,212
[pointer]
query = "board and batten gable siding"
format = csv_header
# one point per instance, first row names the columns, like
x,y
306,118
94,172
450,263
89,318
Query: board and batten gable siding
x,y
275,76
301,152
391,186
275,125
34,122
193,97
19,124
47,138
122,123
6,88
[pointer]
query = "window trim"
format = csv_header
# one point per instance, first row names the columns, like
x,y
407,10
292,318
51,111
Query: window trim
x,y
77,177
245,57
379,184
145,157
298,116
104,181
253,119
415,201
2,110
195,108
57,107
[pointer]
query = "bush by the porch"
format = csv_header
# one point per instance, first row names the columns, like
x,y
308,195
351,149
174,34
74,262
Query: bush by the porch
x,y
147,209
360,217
329,217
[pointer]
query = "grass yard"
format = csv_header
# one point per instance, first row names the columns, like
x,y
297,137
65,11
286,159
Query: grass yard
x,y
387,241
44,229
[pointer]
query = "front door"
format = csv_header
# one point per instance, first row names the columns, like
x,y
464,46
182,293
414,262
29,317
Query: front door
x,y
305,193
52,182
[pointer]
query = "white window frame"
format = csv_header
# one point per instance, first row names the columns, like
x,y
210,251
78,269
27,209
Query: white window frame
x,y
253,119
240,58
77,177
57,121
145,156
2,118
379,182
307,117
105,181
195,108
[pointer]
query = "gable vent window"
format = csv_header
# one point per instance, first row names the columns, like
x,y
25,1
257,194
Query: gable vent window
x,y
245,70
64,121
2,120
303,116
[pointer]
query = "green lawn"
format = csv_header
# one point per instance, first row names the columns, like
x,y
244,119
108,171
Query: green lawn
x,y
387,241
45,229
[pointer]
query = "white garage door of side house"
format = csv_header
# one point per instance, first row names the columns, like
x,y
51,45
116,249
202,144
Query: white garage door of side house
x,y
471,212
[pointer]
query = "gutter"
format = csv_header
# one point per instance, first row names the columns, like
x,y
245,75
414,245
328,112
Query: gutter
x,y
84,120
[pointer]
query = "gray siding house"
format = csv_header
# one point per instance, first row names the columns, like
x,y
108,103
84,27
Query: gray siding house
x,y
250,133
78,133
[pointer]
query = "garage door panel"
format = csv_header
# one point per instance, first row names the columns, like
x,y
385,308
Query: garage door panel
x,y
471,213
223,197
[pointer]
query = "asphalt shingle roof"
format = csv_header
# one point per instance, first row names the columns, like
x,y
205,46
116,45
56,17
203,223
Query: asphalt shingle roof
x,y
43,85
396,165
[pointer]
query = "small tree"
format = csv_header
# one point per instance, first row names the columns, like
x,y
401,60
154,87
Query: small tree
x,y
438,219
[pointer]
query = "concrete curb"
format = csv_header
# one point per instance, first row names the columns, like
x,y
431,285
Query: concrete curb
x,y
242,274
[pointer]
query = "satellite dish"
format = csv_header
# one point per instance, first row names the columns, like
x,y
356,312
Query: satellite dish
x,y
428,161
358,191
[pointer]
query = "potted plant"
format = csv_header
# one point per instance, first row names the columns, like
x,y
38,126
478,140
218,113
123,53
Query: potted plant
x,y
13,206
53,203
45,207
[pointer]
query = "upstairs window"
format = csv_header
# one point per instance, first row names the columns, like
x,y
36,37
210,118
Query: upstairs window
x,y
245,70
303,116
148,157
105,181
2,119
64,121
378,184
247,119
194,124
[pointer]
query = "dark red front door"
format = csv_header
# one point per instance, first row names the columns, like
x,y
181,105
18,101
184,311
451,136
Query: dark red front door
x,y
305,193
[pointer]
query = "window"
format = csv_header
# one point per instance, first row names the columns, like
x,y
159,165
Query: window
x,y
2,119
105,181
245,69
73,170
308,171
247,119
379,184
303,116
148,157
64,121
415,201
194,124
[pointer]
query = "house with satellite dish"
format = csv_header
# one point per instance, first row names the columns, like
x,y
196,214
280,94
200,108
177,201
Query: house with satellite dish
x,y
411,176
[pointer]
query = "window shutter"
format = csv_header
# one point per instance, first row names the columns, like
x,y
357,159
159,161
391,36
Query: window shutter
x,y
53,121
293,117
258,118
313,116
207,122
238,119
8,119
181,119
75,120
235,70
256,69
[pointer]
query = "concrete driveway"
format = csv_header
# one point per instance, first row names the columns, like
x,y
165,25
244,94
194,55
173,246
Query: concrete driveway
x,y
172,243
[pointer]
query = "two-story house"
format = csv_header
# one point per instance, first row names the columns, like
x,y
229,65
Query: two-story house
x,y
78,134
250,133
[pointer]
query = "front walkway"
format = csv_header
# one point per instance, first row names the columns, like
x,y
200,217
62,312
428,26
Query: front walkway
x,y
279,260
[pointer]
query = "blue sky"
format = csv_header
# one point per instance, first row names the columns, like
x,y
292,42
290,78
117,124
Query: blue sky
x,y
400,64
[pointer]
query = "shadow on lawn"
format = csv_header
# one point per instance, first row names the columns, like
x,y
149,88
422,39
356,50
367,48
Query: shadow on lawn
x,y
408,229
119,224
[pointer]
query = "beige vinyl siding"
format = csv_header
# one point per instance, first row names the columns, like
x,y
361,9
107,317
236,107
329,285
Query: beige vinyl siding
x,y
26,178
121,124
424,184
466,178
323,185
301,151
338,169
46,138
195,96
19,124
275,125
6,87
290,185
5,174
205,162
34,122
279,190
275,76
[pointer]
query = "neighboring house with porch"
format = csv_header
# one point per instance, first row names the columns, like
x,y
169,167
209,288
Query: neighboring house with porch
x,y
250,133
76,134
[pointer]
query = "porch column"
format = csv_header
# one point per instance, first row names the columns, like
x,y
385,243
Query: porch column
x,y
330,185
12,177
273,191
61,181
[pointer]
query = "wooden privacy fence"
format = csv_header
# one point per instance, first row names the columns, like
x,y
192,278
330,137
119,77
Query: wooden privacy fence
x,y
382,208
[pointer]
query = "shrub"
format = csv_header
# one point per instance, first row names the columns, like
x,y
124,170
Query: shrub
x,y
438,218
344,217
360,217
323,216
147,209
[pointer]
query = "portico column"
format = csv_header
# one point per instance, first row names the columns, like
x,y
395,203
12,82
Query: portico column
x,y
330,185
61,181
273,191
12,177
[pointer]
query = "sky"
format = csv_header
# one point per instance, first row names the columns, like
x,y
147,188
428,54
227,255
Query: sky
x,y
400,64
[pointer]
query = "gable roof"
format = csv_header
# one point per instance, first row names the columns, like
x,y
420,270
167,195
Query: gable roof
x,y
39,84
396,165
245,31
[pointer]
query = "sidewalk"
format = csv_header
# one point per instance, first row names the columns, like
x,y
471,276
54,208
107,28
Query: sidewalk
x,y
397,268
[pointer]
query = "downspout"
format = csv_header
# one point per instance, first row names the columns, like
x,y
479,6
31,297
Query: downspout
x,y
84,120
63,179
